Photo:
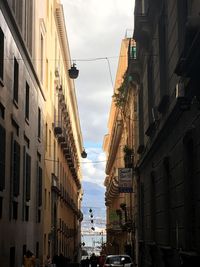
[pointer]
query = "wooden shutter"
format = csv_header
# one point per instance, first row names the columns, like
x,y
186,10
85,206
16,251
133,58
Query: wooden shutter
x,y
39,186
16,168
28,177
2,157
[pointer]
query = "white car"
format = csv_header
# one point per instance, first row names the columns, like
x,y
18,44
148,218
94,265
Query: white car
x,y
118,261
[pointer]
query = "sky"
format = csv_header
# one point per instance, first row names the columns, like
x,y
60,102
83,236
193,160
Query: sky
x,y
95,30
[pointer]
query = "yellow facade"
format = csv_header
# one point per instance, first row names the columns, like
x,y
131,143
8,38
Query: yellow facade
x,y
64,142
121,138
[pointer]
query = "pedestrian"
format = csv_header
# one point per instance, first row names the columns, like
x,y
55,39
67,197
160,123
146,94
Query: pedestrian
x,y
87,262
102,258
93,260
47,262
29,259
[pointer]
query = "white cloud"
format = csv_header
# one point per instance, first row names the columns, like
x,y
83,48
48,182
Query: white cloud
x,y
93,168
95,30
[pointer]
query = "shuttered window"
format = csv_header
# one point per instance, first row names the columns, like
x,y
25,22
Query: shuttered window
x,y
162,31
1,53
28,177
27,102
39,123
16,80
39,186
16,168
182,13
2,157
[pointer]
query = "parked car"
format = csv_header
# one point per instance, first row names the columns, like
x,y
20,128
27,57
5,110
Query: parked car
x,y
118,261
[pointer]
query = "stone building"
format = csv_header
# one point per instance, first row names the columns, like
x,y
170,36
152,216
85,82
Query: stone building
x,y
41,142
22,100
167,34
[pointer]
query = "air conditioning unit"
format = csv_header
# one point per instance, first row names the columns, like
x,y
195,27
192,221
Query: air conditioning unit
x,y
180,90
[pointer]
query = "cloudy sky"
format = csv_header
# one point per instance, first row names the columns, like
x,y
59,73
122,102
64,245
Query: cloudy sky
x,y
95,30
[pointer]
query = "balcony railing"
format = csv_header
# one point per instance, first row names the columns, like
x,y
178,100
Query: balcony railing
x,y
55,183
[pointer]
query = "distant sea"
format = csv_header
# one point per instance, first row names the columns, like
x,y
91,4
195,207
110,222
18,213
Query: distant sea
x,y
94,215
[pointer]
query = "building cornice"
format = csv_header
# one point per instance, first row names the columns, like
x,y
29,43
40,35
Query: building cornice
x,y
60,23
115,139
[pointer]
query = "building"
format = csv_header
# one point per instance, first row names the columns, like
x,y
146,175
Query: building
x,y
119,146
41,142
63,143
22,100
167,170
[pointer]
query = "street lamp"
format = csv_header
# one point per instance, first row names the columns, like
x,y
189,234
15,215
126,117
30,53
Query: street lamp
x,y
84,154
73,72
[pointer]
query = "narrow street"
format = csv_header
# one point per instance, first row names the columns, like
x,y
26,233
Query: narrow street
x,y
99,133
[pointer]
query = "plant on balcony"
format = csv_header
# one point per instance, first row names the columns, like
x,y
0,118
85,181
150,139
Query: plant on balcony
x,y
120,96
128,156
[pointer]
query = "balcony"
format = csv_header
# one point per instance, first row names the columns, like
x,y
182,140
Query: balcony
x,y
80,215
54,183
57,127
61,138
142,29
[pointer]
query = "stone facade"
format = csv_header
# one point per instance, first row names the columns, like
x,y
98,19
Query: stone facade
x,y
167,169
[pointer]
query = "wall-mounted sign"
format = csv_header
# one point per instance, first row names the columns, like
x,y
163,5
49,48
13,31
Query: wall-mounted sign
x,y
125,178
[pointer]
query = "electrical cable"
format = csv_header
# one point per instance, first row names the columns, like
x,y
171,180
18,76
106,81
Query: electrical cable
x,y
73,60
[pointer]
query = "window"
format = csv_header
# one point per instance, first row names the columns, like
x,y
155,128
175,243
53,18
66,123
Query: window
x,y
12,257
15,210
162,52
37,250
41,56
39,186
49,143
167,175
47,73
28,27
190,194
141,116
145,6
16,168
1,207
46,136
2,157
26,213
2,111
39,216
153,206
150,87
182,13
45,198
39,123
1,54
16,81
28,177
27,102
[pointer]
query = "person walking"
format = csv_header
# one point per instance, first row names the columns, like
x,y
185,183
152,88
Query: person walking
x,y
29,259
47,262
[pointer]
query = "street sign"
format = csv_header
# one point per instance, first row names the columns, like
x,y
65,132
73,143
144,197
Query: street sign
x,y
125,180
